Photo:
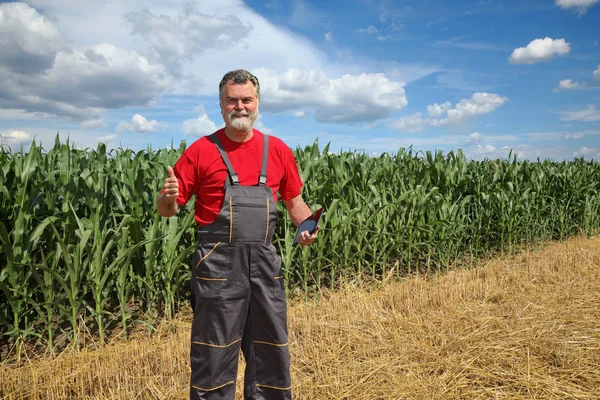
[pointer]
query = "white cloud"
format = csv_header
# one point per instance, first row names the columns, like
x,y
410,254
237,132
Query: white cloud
x,y
588,152
29,40
566,84
580,5
436,110
521,151
42,73
370,30
261,126
480,152
106,139
138,124
300,114
172,40
200,126
545,136
14,137
93,124
475,138
539,50
479,104
589,114
145,54
575,135
350,98
411,124
475,46
329,37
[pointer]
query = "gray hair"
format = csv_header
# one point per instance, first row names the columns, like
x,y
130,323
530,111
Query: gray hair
x,y
239,76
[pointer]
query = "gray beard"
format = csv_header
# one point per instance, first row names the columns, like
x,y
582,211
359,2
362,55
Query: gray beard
x,y
242,124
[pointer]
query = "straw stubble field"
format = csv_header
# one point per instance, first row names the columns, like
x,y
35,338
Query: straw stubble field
x,y
522,327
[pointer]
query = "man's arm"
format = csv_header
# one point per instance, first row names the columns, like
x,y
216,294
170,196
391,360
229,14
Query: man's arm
x,y
299,211
166,202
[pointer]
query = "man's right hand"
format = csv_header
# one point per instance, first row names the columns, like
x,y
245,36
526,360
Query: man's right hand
x,y
166,203
171,186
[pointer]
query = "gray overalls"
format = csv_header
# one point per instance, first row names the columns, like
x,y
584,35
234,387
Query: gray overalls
x,y
238,296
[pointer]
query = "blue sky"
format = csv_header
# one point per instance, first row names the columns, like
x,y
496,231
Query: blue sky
x,y
369,75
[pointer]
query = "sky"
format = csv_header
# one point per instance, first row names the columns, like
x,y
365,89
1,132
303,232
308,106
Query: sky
x,y
488,77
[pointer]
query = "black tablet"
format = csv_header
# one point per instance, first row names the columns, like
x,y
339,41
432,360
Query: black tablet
x,y
309,224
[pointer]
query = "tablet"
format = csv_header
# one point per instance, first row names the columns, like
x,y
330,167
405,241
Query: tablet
x,y
309,224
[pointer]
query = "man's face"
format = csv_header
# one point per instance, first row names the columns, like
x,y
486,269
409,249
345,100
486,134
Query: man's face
x,y
239,106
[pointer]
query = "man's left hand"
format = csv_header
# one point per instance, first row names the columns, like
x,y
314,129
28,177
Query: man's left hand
x,y
306,238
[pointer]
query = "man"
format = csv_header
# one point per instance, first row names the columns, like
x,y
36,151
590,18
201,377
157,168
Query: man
x,y
238,294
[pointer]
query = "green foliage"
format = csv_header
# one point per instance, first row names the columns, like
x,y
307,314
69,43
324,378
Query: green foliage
x,y
83,248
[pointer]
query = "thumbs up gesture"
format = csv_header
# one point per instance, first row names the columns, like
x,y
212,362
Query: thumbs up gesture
x,y
171,186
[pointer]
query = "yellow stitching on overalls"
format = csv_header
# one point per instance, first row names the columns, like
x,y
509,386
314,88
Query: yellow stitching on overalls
x,y
210,279
267,232
269,343
207,254
211,389
230,219
220,346
272,387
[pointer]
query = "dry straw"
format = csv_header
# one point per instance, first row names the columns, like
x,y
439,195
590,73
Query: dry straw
x,y
526,327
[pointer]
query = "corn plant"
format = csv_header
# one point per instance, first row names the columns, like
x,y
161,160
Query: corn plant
x,y
82,246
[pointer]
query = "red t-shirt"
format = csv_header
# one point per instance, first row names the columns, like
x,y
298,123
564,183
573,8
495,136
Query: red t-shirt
x,y
201,171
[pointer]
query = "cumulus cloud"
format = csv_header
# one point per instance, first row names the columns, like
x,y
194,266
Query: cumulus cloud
x,y
539,50
261,126
138,124
350,98
29,41
173,40
436,110
411,124
193,47
106,139
581,6
13,137
521,151
589,114
475,138
566,84
62,80
200,126
439,115
93,124
587,152
481,152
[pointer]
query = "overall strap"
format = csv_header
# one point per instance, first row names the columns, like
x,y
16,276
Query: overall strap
x,y
262,180
232,174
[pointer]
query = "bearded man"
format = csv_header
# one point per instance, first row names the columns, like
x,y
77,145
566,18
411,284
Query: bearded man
x,y
238,292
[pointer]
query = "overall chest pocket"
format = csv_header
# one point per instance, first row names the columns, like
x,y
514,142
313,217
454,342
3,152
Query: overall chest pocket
x,y
250,219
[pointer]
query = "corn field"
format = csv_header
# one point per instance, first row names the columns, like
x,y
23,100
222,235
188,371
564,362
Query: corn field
x,y
83,248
